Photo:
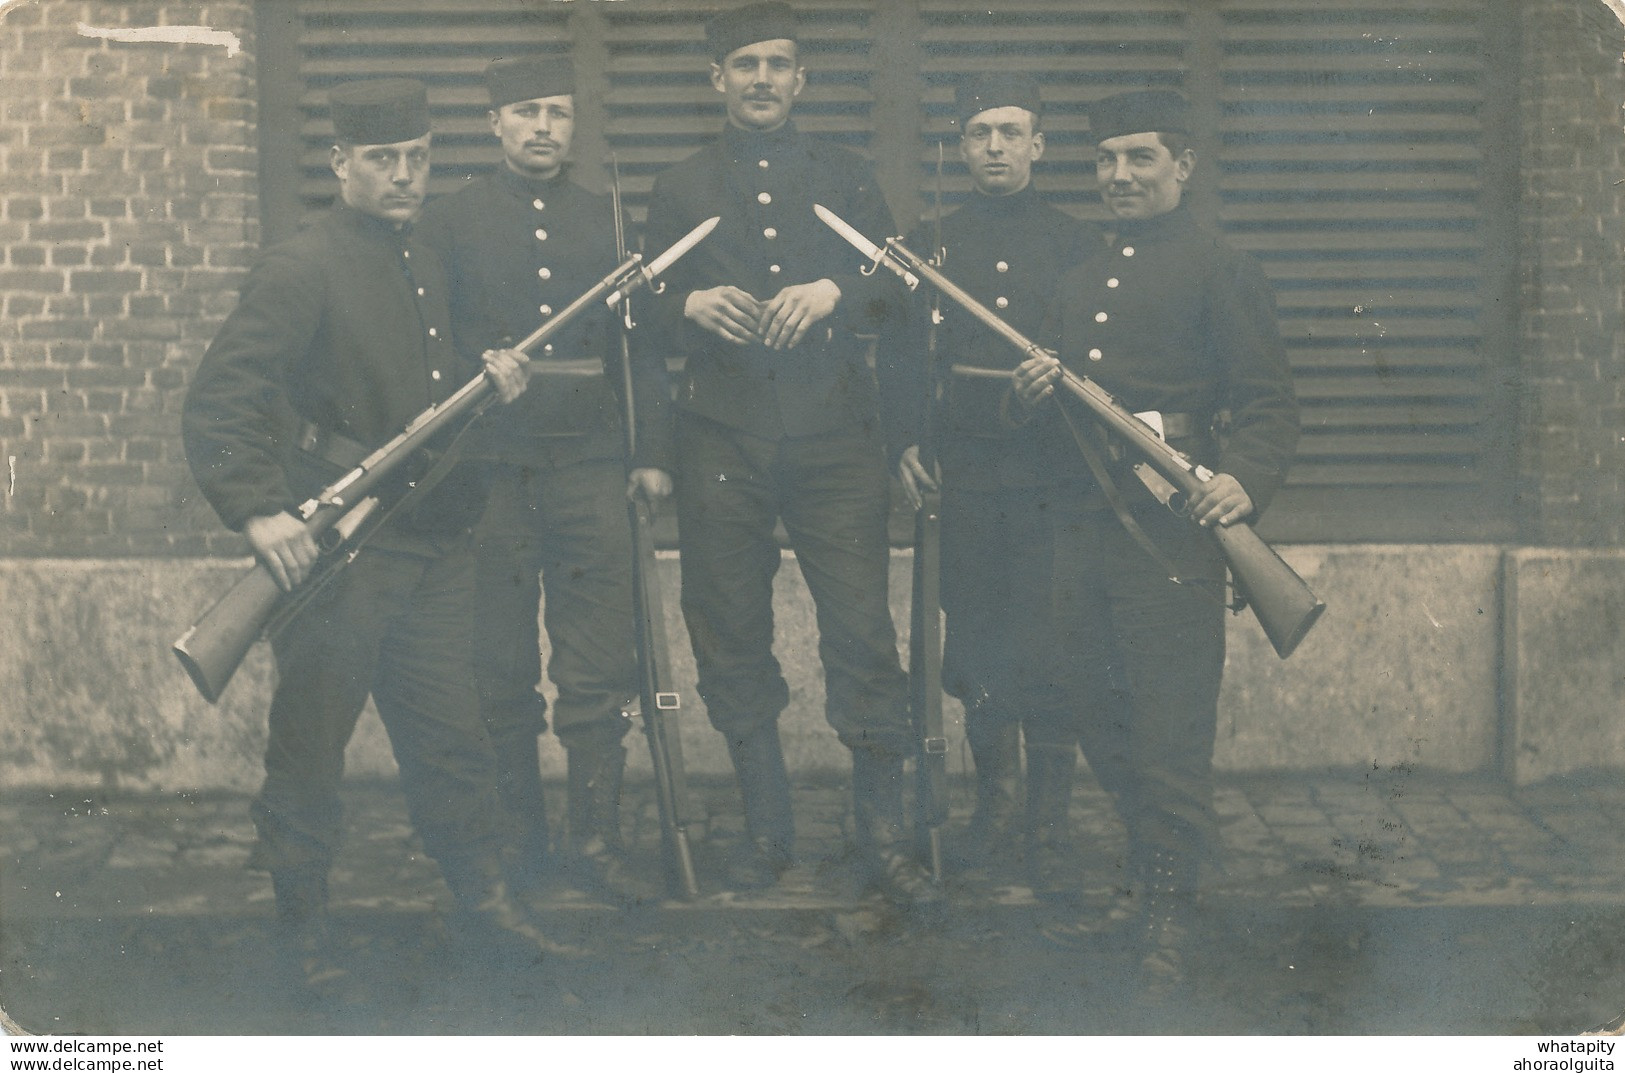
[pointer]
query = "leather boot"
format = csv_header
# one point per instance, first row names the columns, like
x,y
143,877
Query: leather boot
x,y
519,788
1165,920
1050,771
883,846
993,835
490,924
598,855
764,789
304,946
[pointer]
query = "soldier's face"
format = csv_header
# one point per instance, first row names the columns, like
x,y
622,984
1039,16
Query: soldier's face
x,y
386,181
1139,178
536,134
759,83
999,147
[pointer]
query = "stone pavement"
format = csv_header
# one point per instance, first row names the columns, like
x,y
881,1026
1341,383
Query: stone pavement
x,y
1391,901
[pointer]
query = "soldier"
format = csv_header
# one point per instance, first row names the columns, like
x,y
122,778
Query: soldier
x,y
341,337
776,421
1170,319
1007,246
519,245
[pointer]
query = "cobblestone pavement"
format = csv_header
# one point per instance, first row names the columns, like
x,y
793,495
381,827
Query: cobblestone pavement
x,y
1393,902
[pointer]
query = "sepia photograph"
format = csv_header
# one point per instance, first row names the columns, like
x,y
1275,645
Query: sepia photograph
x,y
829,518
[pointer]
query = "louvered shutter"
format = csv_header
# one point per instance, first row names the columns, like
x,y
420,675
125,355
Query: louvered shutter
x,y
1364,152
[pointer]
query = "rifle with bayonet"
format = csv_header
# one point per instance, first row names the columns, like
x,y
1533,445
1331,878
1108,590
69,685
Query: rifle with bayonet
x,y
214,646
658,700
1286,607
925,609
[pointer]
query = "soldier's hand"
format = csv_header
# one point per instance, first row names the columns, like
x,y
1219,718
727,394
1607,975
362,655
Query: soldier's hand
x,y
649,484
1222,501
282,544
1035,378
508,371
914,475
788,315
726,311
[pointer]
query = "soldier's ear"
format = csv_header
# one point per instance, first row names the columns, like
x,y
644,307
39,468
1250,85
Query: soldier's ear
x,y
716,78
1038,145
1184,164
338,158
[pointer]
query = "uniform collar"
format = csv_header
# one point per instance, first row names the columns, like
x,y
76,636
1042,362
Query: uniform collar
x,y
520,186
1022,200
742,144
1174,221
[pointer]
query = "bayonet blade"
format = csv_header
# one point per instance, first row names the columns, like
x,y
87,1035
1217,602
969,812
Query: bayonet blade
x,y
864,246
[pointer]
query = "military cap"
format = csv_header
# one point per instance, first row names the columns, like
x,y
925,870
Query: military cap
x,y
526,79
380,112
741,26
1143,111
1001,90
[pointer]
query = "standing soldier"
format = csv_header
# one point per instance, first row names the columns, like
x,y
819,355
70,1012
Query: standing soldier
x,y
1008,247
519,245
776,421
1169,319
341,337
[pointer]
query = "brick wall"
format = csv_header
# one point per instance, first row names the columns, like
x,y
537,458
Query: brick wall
x,y
127,215
1572,463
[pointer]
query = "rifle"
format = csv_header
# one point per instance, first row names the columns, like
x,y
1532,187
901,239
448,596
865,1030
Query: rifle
x,y
214,646
658,702
1284,604
925,609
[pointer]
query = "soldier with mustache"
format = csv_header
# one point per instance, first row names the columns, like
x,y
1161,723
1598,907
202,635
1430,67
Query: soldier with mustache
x,y
776,421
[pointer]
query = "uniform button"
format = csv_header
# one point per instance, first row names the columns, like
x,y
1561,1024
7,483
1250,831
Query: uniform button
x,y
774,269
538,204
1128,251
545,273
547,348
406,254
420,292
1095,355
434,374
1112,282
1100,318
546,311
771,232
764,198
761,163
1001,301
1002,266
434,333
541,234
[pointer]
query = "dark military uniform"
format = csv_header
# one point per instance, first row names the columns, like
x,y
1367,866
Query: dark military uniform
x,y
788,434
1167,318
341,336
519,250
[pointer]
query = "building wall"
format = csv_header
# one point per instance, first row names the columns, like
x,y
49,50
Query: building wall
x,y
1572,439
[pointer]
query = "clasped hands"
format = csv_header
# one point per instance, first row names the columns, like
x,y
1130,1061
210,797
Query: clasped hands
x,y
778,323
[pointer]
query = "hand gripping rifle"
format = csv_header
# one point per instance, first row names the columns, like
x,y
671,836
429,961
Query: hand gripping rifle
x,y
925,609
658,701
214,646
1285,606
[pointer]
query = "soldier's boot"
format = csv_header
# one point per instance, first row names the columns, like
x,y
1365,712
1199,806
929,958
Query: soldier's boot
x,y
993,835
764,790
519,788
598,857
884,849
1050,864
489,925
304,942
1166,917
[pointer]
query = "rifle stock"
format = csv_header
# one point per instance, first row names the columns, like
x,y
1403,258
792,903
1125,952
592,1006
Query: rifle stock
x,y
1286,607
214,646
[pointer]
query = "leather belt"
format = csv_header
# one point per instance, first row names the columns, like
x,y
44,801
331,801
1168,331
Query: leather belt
x,y
331,447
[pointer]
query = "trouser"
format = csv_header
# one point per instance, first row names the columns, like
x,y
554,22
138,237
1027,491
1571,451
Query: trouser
x,y
568,525
998,550
395,625
832,494
1143,660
